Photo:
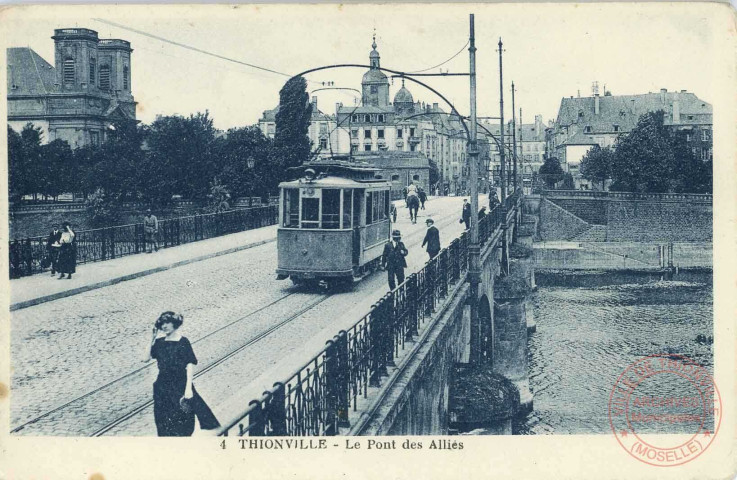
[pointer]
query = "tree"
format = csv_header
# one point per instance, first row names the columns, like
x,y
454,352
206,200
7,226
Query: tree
x,y
551,172
34,171
17,166
643,160
690,174
596,165
60,171
181,156
242,158
218,197
292,146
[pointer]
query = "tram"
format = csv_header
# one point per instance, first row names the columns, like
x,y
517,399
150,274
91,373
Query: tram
x,y
333,223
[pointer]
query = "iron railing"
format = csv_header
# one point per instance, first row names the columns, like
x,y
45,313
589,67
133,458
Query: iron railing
x,y
27,255
317,398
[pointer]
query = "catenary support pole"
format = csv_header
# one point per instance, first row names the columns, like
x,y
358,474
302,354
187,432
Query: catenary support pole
x,y
505,252
514,144
474,269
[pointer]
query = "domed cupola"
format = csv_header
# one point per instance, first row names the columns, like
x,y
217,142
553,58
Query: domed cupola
x,y
403,100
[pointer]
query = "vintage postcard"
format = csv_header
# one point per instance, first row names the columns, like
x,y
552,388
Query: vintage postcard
x,y
369,241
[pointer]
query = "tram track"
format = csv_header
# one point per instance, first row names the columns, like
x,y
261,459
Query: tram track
x,y
118,380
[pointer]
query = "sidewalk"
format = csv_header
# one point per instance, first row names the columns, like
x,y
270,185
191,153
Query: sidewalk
x,y
40,288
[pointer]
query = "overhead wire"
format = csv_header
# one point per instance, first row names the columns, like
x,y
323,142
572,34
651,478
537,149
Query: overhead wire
x,y
443,63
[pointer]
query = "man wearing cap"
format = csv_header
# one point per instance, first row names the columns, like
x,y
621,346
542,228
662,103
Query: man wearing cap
x,y
432,239
466,214
393,259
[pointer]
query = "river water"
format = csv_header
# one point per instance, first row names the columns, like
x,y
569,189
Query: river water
x,y
590,327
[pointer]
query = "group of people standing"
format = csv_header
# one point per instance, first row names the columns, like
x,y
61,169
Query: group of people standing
x,y
61,251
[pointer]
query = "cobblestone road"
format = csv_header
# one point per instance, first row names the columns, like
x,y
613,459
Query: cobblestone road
x,y
69,347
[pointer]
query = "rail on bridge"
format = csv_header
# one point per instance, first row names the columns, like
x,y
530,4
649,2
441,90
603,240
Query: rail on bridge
x,y
318,397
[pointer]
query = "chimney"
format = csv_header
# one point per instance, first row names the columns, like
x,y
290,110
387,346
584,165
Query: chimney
x,y
596,104
314,103
663,91
676,111
683,91
435,107
538,125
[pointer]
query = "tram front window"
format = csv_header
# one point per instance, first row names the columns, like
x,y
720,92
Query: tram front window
x,y
291,208
330,208
310,212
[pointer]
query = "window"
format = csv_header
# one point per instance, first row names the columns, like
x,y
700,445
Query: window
x,y
380,133
323,143
399,133
125,77
587,129
580,114
354,148
367,148
347,209
69,71
331,208
354,118
374,89
415,177
377,207
412,132
369,208
367,118
704,136
323,128
270,128
688,137
92,72
367,133
413,147
395,178
381,118
690,117
105,77
616,127
291,208
354,133
310,212
95,138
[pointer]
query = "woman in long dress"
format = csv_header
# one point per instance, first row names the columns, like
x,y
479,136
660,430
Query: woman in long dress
x,y
67,262
176,401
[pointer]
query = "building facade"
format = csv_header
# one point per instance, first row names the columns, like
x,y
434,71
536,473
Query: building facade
x,y
76,100
584,122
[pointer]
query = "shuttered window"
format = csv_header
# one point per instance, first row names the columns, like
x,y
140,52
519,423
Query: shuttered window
x,y
125,78
92,72
105,77
69,71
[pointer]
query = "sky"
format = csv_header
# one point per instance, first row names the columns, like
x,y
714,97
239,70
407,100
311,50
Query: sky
x,y
550,51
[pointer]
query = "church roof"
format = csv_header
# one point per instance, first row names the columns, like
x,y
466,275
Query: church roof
x,y
374,75
29,73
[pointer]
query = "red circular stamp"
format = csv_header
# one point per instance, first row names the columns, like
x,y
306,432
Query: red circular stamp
x,y
665,410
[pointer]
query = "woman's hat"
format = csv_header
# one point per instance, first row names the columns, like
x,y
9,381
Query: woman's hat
x,y
396,233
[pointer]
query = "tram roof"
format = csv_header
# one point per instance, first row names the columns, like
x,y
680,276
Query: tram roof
x,y
335,182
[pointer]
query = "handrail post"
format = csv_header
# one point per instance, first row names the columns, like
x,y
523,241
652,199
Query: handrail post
x,y
277,411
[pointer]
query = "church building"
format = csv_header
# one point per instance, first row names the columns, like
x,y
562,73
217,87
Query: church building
x,y
78,98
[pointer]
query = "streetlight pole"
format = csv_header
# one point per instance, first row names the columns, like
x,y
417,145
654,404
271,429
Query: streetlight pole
x,y
514,144
505,257
474,268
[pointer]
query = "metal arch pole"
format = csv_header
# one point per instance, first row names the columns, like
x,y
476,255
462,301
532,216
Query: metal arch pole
x,y
514,144
474,268
408,76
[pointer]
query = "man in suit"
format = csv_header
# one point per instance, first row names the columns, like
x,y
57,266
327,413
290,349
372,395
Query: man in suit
x,y
432,238
393,259
466,214
53,247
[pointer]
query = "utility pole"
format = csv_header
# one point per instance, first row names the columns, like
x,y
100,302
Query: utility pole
x,y
474,268
505,251
514,144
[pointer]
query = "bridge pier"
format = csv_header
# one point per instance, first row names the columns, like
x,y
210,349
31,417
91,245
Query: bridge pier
x,y
509,349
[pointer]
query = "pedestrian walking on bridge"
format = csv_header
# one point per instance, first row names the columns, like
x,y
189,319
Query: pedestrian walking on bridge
x,y
151,231
176,401
393,259
67,262
432,239
466,214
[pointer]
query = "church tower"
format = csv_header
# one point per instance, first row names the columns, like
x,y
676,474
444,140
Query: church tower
x,y
75,55
375,85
